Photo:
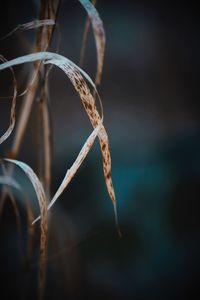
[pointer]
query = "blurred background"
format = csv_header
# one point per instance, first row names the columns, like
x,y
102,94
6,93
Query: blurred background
x,y
150,94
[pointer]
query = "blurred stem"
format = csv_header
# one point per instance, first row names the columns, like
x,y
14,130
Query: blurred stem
x,y
48,9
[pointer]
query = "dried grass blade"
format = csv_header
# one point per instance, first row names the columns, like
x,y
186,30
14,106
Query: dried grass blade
x,y
30,25
74,168
46,57
48,9
88,101
99,35
7,133
37,23
85,37
43,210
75,75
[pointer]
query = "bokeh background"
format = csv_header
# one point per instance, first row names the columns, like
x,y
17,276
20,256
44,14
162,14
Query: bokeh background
x,y
150,93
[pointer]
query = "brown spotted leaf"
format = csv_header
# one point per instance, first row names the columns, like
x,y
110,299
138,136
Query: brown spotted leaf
x,y
75,74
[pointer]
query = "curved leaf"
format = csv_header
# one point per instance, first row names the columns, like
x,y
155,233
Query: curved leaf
x,y
77,163
43,209
30,25
7,133
99,35
75,75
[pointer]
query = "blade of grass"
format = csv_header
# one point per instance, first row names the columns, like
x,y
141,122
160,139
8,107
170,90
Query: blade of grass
x,y
43,211
7,133
44,36
74,73
85,37
99,35
75,166
30,25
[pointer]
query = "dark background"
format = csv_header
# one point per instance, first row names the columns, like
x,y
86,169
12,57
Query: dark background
x,y
150,93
